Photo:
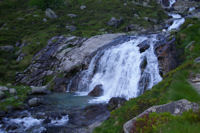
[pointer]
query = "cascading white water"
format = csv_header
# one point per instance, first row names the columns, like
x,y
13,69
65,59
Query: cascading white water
x,y
118,70
177,22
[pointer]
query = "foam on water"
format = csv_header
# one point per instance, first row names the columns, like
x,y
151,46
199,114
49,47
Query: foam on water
x,y
59,122
178,21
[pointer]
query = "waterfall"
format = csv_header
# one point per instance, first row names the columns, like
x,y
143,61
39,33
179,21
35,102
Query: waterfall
x,y
118,70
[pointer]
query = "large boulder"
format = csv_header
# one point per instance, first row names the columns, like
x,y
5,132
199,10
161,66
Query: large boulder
x,y
143,46
39,90
115,22
175,108
34,102
97,91
50,13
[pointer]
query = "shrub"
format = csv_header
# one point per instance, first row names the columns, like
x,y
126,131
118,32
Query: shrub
x,y
43,4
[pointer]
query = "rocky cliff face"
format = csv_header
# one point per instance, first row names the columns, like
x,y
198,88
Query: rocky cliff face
x,y
62,56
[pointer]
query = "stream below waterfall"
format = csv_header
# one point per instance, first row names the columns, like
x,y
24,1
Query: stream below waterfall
x,y
117,69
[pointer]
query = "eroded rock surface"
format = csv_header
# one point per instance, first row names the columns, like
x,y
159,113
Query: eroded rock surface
x,y
62,55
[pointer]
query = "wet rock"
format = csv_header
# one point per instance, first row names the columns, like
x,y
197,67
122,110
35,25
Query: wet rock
x,y
175,108
60,84
72,15
39,90
12,91
116,102
50,13
143,46
82,7
7,48
2,95
197,60
97,91
115,22
143,64
71,28
144,82
34,102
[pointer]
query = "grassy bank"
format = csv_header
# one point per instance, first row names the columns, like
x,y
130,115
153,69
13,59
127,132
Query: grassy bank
x,y
173,87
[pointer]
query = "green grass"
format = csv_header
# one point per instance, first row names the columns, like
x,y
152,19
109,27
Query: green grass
x,y
173,87
23,22
188,122
15,101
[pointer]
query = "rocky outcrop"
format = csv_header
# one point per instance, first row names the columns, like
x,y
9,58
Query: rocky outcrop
x,y
62,56
34,102
168,54
143,46
175,108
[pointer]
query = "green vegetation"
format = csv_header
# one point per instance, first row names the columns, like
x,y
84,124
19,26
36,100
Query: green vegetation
x,y
189,122
173,87
15,101
22,21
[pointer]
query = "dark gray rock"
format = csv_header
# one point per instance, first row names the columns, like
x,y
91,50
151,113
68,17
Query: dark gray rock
x,y
50,13
143,46
143,64
7,48
115,22
175,108
168,55
197,60
71,28
72,15
42,90
116,102
130,27
97,91
82,7
34,102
